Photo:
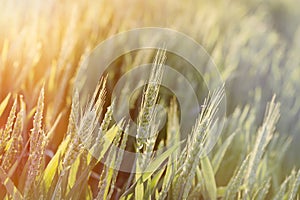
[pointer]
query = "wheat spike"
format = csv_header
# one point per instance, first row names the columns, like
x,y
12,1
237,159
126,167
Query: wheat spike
x,y
236,181
6,133
37,148
146,115
294,187
110,168
280,194
264,136
196,146
118,160
16,141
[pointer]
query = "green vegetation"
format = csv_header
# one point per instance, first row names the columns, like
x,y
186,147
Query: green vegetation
x,y
53,146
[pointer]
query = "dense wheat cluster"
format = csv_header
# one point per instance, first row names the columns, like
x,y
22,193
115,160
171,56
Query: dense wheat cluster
x,y
56,145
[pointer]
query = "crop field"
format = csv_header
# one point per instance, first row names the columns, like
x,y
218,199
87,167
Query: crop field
x,y
132,99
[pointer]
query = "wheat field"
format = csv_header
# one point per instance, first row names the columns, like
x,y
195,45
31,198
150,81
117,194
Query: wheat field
x,y
58,142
